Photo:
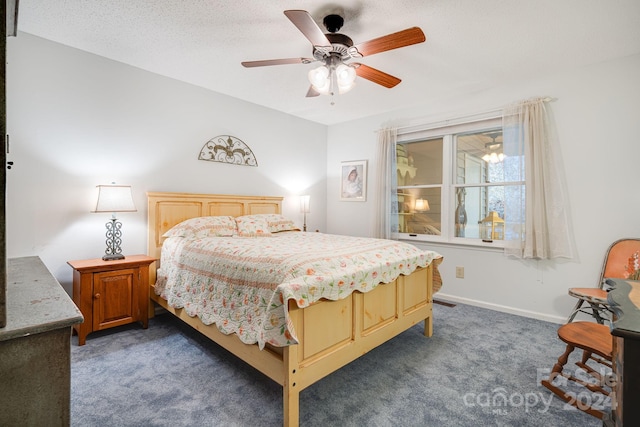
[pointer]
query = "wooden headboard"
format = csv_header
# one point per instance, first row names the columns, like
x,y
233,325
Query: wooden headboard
x,y
168,209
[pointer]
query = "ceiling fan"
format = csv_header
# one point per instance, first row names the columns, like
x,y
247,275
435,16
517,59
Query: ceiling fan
x,y
334,50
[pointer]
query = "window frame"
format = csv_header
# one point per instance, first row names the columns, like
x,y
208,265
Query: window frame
x,y
447,131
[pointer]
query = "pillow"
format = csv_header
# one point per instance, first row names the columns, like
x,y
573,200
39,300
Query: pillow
x,y
204,226
275,222
252,226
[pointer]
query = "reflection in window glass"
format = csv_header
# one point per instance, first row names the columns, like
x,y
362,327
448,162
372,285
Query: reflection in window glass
x,y
453,183
420,210
480,157
419,169
420,162
479,162
473,204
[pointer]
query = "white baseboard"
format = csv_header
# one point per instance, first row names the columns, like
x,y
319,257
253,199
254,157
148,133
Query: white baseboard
x,y
501,308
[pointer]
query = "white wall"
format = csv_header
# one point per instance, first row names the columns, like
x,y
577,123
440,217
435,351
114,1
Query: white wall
x,y
598,123
77,120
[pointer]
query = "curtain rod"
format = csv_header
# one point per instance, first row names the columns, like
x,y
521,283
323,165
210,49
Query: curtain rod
x,y
469,118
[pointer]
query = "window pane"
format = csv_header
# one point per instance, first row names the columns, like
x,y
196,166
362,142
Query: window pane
x,y
475,174
479,157
420,210
419,163
515,211
473,205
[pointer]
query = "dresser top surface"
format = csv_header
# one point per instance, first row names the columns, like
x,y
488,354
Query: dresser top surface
x,y
36,302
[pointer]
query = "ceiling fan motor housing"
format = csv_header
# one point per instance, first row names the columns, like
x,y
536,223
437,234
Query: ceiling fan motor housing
x,y
333,23
340,45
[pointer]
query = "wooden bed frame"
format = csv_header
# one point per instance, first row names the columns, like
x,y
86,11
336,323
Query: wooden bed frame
x,y
331,334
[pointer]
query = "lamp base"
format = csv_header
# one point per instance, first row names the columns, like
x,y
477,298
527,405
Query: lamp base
x,y
114,234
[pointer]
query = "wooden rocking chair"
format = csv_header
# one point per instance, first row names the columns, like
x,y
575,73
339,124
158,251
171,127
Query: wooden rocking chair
x,y
596,342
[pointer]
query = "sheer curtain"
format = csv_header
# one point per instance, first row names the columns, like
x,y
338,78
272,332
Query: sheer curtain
x,y
386,207
536,215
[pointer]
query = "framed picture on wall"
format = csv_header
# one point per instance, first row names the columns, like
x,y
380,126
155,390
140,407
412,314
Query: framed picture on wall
x,y
353,181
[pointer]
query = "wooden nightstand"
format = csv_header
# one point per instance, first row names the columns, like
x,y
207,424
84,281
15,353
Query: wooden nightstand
x,y
111,293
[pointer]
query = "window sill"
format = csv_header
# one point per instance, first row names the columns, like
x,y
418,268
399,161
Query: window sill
x,y
495,245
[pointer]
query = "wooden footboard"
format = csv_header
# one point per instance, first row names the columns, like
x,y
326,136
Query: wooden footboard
x,y
331,334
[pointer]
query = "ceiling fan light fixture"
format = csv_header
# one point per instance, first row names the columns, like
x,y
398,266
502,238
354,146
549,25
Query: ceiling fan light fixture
x,y
326,77
345,77
320,79
494,149
494,157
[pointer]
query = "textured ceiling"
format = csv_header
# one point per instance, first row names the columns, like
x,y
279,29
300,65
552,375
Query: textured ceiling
x,y
472,45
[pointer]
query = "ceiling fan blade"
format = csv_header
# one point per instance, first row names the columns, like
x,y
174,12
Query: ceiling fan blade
x,y
284,61
308,27
312,92
376,76
402,38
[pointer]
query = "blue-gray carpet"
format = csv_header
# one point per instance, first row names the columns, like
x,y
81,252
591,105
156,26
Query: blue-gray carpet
x,y
480,368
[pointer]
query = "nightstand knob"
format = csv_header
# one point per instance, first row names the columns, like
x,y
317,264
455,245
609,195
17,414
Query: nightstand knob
x,y
96,296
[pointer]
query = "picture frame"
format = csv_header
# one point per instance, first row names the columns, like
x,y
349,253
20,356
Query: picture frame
x,y
353,181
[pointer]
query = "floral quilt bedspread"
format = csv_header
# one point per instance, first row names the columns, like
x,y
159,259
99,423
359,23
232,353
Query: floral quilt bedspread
x,y
242,284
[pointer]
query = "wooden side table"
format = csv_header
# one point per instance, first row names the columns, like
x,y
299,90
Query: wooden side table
x,y
111,293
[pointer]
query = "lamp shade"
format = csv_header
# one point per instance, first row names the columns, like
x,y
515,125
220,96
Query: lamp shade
x,y
320,79
115,198
422,205
346,77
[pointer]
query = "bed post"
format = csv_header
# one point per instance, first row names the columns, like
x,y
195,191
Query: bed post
x,y
428,325
428,322
290,360
290,390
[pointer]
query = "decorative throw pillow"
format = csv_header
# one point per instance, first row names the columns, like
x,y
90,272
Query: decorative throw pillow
x,y
252,226
276,222
204,226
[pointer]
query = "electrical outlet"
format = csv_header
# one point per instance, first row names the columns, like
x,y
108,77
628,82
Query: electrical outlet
x,y
460,272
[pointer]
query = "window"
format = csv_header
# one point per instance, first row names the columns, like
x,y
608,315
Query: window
x,y
453,182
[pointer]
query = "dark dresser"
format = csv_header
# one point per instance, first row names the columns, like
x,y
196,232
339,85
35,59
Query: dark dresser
x,y
624,299
35,347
